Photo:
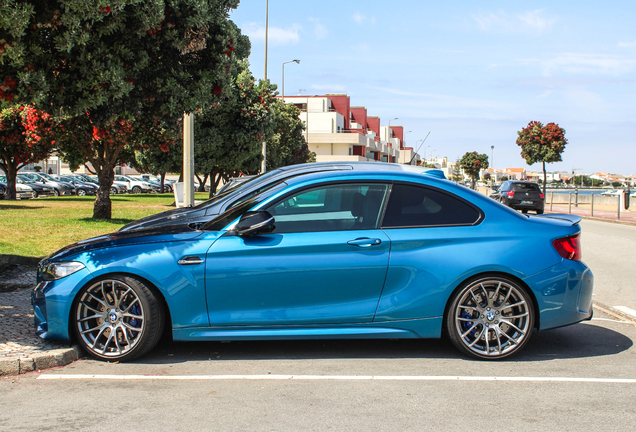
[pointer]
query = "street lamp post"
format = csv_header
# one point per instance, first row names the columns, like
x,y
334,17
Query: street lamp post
x,y
283,83
492,156
264,161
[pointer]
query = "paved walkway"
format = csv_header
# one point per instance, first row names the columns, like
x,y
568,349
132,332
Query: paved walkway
x,y
625,216
18,343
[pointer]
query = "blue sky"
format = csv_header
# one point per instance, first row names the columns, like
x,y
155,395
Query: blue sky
x,y
473,73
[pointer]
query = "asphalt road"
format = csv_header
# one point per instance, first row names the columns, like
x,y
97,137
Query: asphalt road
x,y
341,386
610,251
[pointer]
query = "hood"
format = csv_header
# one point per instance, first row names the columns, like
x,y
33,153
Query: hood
x,y
171,217
170,233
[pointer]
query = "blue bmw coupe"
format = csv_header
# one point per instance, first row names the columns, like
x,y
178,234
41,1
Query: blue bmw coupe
x,y
338,254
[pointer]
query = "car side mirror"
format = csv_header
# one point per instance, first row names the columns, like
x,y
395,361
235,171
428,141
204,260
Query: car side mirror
x,y
254,222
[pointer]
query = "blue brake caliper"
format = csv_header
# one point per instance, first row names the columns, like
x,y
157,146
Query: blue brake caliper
x,y
467,324
135,310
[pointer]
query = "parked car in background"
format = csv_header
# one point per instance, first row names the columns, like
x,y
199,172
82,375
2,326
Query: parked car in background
x,y
22,191
521,195
59,187
3,189
204,211
153,179
611,192
39,189
81,188
136,185
336,254
116,187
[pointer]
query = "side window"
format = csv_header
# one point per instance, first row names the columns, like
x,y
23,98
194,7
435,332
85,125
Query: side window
x,y
416,206
339,207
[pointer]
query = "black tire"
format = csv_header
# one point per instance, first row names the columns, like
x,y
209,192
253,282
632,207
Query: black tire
x,y
56,192
539,211
105,326
35,194
81,192
113,191
474,320
136,190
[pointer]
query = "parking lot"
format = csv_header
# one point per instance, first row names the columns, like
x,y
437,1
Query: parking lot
x,y
580,377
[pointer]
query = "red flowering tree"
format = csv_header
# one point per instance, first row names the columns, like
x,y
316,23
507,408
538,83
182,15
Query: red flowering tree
x,y
472,164
541,143
26,136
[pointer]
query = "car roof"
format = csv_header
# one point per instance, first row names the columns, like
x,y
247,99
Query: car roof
x,y
363,166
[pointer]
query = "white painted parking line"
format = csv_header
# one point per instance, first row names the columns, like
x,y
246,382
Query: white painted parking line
x,y
611,320
331,378
626,311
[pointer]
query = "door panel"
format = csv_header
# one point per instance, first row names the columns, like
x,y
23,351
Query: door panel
x,y
296,278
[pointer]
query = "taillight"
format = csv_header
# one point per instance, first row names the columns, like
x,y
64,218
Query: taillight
x,y
541,196
569,247
511,194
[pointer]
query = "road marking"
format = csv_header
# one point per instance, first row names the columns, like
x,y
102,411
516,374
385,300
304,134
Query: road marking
x,y
330,378
626,310
611,320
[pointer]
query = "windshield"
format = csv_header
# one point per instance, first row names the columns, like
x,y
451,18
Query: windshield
x,y
238,208
48,177
232,189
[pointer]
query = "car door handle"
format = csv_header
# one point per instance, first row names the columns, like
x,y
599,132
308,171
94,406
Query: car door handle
x,y
191,260
364,242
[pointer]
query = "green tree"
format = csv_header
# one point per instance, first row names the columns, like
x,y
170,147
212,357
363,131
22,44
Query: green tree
x,y
472,163
230,133
101,64
26,136
457,172
164,157
287,146
541,143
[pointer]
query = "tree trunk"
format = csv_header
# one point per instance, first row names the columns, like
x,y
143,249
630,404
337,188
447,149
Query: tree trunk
x,y
202,183
103,205
545,178
214,182
163,178
11,175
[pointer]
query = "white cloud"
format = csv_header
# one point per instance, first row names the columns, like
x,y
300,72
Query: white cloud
x,y
320,31
277,35
531,21
627,44
329,88
358,17
576,63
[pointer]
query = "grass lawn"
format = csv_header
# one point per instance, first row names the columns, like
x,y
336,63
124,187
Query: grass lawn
x,y
38,227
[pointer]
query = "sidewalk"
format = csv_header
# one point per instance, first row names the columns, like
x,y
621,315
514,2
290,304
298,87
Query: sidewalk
x,y
626,216
20,349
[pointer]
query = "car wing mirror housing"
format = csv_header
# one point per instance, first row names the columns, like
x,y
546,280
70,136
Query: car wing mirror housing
x,y
254,222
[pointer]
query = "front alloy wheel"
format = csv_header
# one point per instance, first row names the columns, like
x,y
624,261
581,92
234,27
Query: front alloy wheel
x,y
118,319
490,318
56,192
81,192
113,191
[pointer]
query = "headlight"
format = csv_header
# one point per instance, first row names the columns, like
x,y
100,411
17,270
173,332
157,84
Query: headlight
x,y
59,270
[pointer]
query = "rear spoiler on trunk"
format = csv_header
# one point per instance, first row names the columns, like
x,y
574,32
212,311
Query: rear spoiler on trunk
x,y
574,219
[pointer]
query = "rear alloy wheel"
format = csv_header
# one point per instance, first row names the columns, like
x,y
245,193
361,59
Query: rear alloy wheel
x,y
136,190
35,194
81,192
113,191
118,319
490,318
56,192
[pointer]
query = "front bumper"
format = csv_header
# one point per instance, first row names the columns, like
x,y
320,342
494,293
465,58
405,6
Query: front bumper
x,y
52,302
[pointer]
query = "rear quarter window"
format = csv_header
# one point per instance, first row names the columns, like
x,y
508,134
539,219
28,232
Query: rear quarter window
x,y
416,206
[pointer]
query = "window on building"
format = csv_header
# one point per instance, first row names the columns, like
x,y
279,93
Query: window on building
x,y
416,206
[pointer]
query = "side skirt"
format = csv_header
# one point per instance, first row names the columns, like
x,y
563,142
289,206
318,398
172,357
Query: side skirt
x,y
406,329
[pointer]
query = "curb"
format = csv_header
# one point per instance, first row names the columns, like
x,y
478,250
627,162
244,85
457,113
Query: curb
x,y
613,312
44,360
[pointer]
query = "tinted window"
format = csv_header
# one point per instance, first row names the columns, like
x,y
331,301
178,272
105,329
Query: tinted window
x,y
525,187
330,208
411,206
